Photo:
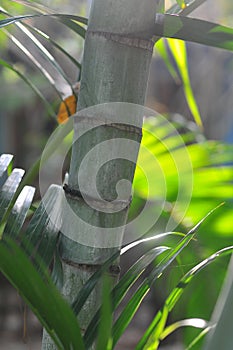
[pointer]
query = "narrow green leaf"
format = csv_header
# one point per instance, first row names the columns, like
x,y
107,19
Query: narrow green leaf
x,y
199,337
57,272
66,19
58,47
8,190
134,303
178,50
150,239
49,109
104,340
5,161
62,16
35,61
191,322
42,49
162,50
129,312
122,287
91,283
41,296
19,212
194,30
151,335
42,232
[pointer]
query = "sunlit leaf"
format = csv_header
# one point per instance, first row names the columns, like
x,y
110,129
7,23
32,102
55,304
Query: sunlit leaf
x,y
178,49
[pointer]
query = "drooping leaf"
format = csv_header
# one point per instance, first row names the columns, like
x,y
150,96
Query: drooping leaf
x,y
194,30
11,20
163,51
42,297
178,49
56,45
49,109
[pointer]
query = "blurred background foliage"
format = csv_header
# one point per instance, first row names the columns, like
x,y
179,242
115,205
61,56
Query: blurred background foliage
x,y
193,174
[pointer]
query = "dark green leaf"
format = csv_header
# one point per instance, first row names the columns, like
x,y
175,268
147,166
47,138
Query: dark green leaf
x,y
31,85
58,47
42,297
105,323
194,30
11,20
91,283
122,287
42,232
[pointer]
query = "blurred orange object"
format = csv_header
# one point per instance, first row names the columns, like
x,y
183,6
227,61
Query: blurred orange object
x,y
67,108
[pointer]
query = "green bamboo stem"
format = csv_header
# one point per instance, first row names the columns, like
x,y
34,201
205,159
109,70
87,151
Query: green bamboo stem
x,y
117,55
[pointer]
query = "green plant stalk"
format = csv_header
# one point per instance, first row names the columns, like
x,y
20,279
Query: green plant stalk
x,y
117,55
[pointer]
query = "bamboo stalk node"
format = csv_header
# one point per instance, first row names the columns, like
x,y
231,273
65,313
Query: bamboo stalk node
x,y
128,40
129,128
102,204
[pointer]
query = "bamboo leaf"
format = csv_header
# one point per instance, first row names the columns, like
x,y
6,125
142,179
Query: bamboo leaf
x,y
152,336
58,47
42,49
178,49
105,323
5,163
41,235
61,16
48,107
91,283
162,50
42,297
191,322
129,312
199,337
35,61
149,239
122,287
194,30
8,190
68,20
134,303
19,212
